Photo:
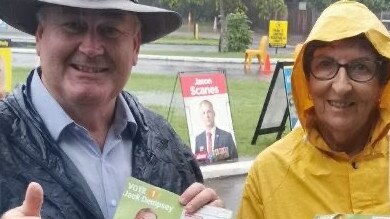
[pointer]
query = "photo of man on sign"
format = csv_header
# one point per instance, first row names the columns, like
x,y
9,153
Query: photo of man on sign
x,y
213,144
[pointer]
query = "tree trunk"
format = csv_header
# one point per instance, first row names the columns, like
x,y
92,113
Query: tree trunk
x,y
222,38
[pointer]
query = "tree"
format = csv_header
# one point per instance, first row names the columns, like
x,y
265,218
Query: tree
x,y
271,9
239,34
226,6
223,6
229,6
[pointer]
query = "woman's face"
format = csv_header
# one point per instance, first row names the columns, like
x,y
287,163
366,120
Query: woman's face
x,y
343,106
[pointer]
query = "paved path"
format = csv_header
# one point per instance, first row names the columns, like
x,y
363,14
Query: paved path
x,y
229,190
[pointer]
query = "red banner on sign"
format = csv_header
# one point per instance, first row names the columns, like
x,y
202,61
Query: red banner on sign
x,y
202,84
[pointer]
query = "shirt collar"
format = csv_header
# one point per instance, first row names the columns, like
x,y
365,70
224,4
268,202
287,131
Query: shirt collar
x,y
124,118
56,119
212,131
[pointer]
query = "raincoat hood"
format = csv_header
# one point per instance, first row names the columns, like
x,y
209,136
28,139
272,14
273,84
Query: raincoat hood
x,y
340,20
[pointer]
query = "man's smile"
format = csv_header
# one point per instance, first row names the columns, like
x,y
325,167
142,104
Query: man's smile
x,y
89,69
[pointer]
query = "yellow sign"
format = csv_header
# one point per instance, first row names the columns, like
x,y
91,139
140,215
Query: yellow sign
x,y
277,33
5,66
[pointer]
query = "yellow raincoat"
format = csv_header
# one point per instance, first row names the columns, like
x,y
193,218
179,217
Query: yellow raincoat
x,y
299,176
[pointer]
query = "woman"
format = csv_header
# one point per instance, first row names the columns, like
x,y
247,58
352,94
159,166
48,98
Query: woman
x,y
338,161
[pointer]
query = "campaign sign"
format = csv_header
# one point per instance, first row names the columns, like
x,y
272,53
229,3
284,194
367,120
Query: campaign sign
x,y
209,121
287,70
5,65
141,200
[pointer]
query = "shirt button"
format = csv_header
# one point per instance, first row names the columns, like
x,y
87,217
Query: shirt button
x,y
113,203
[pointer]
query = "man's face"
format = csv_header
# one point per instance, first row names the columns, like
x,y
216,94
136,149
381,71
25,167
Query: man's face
x,y
207,115
86,55
146,215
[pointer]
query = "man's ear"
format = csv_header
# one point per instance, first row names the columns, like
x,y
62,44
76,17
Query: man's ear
x,y
38,37
136,47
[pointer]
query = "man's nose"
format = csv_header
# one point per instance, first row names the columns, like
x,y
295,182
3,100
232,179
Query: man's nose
x,y
91,44
342,83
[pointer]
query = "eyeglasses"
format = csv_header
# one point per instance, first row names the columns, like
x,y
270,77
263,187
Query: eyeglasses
x,y
357,70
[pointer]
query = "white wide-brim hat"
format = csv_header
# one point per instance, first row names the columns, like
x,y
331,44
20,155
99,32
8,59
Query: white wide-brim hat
x,y
156,22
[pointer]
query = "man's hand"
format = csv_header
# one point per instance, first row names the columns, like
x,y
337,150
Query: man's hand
x,y
197,195
32,204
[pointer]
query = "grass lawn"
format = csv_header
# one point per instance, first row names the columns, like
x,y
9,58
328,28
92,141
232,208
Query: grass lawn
x,y
209,54
246,99
184,40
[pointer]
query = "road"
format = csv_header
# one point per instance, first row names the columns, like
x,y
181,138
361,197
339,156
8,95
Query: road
x,y
174,66
166,66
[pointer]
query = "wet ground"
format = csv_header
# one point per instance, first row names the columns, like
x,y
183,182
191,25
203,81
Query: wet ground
x,y
229,189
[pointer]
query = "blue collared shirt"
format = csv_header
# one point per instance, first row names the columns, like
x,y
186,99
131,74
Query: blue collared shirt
x,y
107,171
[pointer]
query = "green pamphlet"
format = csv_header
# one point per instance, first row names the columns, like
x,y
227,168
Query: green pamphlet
x,y
142,200
140,196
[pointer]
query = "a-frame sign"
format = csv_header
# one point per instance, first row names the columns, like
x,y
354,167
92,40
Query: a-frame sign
x,y
273,116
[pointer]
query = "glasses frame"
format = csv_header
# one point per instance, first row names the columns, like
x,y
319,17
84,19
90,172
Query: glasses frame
x,y
346,66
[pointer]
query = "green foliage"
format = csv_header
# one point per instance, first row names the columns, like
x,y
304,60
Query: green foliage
x,y
238,34
231,6
203,9
173,4
374,5
271,9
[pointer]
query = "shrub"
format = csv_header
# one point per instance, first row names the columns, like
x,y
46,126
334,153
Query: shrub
x,y
238,33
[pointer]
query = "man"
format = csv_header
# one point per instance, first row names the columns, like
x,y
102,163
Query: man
x,y
215,142
70,132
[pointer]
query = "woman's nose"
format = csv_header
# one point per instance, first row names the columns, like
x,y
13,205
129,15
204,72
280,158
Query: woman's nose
x,y
341,83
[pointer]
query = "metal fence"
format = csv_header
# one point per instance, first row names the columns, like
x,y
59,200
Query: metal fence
x,y
385,18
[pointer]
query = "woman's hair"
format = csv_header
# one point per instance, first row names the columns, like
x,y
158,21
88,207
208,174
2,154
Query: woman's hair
x,y
360,39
